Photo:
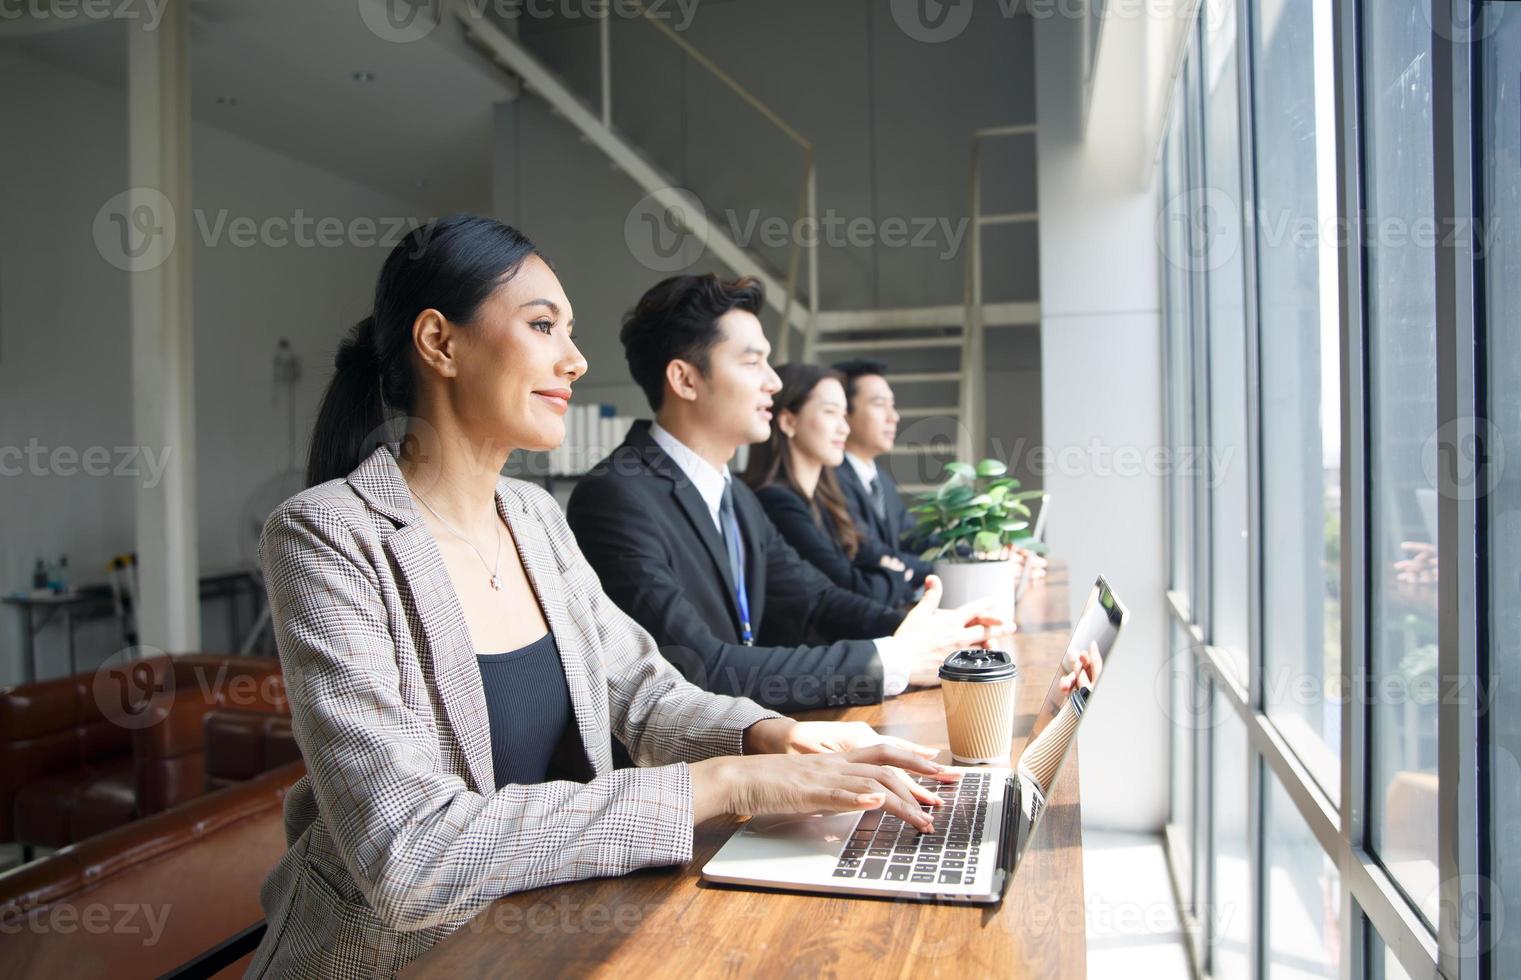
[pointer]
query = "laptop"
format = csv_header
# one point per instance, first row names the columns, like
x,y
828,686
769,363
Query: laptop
x,y
981,831
1039,534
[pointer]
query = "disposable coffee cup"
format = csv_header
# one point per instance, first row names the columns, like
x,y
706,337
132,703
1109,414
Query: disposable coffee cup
x,y
978,688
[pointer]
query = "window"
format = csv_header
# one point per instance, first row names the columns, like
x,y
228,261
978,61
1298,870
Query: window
x,y
1298,312
1500,170
1400,293
1230,913
1220,211
1303,895
1174,239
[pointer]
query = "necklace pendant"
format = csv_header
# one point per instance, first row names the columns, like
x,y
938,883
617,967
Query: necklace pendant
x,y
496,582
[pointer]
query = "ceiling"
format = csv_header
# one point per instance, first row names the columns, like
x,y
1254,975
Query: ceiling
x,y
420,130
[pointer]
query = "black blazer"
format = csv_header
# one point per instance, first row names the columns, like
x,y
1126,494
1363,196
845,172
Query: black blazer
x,y
651,539
885,533
790,512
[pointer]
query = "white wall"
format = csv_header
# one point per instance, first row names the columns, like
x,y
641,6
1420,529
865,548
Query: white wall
x,y
1101,392
64,342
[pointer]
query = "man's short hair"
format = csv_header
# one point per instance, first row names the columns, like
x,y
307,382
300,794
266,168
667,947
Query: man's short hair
x,y
854,371
677,320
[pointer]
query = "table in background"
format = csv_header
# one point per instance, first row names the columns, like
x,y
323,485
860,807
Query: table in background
x,y
97,602
668,922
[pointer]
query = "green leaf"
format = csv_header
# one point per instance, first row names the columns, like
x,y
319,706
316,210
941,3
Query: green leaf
x,y
957,496
1028,495
981,500
957,468
997,492
1007,481
991,467
1013,525
987,541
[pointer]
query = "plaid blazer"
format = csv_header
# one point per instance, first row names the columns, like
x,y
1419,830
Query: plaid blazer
x,y
397,835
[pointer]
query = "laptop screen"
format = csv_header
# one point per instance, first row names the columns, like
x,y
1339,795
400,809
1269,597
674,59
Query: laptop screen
x,y
1067,700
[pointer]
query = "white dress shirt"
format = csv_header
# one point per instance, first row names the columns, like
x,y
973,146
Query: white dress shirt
x,y
866,469
710,482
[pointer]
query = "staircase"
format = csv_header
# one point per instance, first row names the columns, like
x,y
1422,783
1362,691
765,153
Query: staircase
x,y
940,348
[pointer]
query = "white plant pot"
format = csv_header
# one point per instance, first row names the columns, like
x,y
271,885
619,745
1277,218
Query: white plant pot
x,y
969,581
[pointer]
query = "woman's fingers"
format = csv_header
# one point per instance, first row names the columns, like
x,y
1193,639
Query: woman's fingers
x,y
900,800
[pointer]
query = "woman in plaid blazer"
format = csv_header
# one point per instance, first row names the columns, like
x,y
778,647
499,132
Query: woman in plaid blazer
x,y
401,831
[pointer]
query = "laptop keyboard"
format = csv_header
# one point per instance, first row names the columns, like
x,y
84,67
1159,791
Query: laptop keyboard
x,y
885,848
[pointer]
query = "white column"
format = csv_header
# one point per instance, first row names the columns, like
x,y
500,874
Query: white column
x,y
157,219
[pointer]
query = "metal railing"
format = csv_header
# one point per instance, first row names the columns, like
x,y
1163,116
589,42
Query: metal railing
x,y
808,196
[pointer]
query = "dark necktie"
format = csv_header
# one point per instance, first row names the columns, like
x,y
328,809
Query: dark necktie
x,y
878,504
735,546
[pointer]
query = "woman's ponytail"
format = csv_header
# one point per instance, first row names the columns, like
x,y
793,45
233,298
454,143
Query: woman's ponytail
x,y
353,410
451,265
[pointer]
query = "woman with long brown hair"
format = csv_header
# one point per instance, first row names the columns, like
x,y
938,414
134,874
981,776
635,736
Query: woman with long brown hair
x,y
792,473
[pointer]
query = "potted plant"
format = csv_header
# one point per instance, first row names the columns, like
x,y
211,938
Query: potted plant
x,y
975,520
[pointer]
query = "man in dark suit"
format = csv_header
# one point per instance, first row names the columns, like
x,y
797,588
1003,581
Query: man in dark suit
x,y
870,493
687,551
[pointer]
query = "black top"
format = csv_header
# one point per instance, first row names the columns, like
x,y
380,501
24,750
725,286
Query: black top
x,y
885,533
652,541
528,707
795,520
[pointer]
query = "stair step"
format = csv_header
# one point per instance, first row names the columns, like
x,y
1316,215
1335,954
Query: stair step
x,y
896,344
925,377
1009,218
918,413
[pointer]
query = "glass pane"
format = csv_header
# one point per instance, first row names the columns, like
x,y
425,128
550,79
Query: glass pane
x,y
1303,894
1219,210
1230,919
1185,698
1382,964
1180,389
1500,125
1298,310
1401,305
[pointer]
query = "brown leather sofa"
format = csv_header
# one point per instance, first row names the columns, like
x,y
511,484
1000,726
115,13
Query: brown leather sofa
x,y
145,898
80,755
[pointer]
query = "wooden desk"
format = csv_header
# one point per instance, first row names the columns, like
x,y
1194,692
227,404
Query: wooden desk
x,y
667,922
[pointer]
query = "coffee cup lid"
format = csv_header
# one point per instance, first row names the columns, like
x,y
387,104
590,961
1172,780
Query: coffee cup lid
x,y
977,665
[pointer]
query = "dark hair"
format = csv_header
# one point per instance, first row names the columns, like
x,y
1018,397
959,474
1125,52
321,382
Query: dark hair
x,y
771,461
854,371
451,265
677,320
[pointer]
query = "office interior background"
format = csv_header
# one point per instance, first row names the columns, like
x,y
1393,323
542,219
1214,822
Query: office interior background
x,y
1236,282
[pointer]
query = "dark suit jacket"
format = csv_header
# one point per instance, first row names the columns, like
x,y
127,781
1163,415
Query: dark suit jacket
x,y
885,533
648,534
817,546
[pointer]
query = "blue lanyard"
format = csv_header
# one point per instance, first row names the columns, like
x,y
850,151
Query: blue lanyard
x,y
741,596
